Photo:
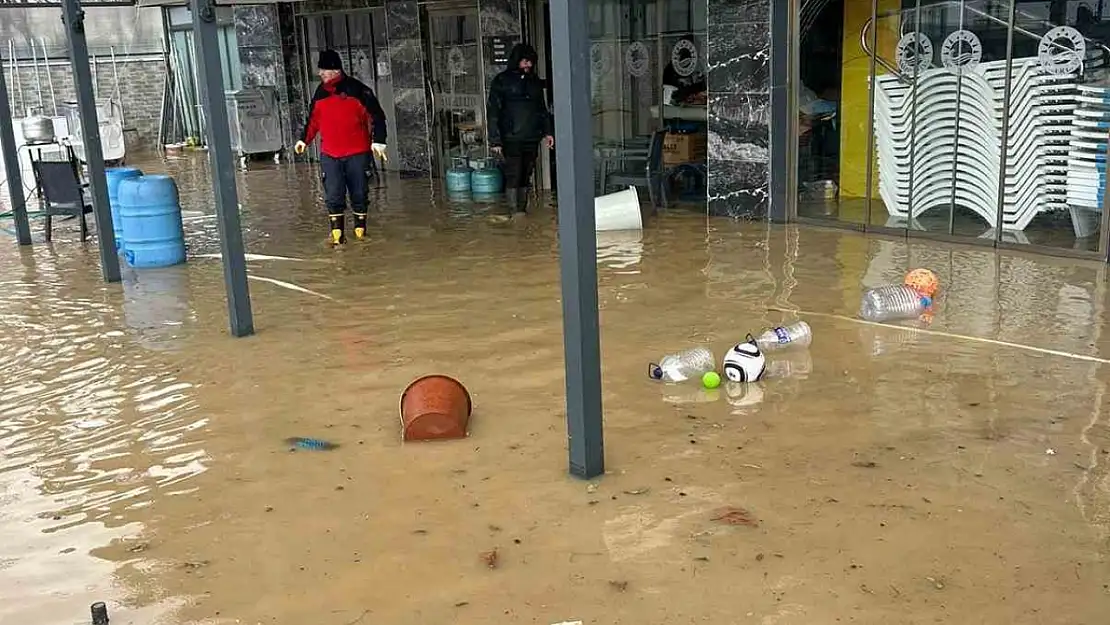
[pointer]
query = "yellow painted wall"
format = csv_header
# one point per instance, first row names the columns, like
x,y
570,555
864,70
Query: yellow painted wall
x,y
855,93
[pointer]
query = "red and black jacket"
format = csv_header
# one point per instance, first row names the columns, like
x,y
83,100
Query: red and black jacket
x,y
347,116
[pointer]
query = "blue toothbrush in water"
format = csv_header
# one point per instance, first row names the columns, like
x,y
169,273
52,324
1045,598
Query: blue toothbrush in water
x,y
312,444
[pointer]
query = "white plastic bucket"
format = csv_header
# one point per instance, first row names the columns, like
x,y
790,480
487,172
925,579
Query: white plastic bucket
x,y
618,211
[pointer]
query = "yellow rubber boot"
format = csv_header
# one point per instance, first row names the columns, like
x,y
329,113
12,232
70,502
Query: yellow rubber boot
x,y
337,226
360,226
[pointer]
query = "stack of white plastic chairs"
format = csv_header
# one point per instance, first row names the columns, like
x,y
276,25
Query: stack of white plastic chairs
x,y
952,136
1086,171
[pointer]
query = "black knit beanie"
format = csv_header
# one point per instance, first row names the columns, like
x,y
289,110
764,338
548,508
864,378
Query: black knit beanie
x,y
329,59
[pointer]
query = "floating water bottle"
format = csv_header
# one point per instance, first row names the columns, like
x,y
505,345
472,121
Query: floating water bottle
x,y
798,334
887,303
688,365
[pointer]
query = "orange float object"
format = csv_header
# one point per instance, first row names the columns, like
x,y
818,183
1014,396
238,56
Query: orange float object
x,y
923,281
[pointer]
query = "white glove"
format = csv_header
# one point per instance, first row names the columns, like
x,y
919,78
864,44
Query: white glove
x,y
379,151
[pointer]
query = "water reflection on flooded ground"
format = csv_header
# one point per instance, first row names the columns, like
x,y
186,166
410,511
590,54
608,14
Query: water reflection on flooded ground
x,y
892,475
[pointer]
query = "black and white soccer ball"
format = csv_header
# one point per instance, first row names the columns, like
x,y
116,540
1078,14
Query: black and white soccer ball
x,y
745,362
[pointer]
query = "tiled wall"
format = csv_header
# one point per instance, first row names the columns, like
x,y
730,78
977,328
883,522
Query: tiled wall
x,y
739,107
261,59
406,61
141,85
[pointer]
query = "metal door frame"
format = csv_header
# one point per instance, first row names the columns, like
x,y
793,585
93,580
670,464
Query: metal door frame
x,y
308,77
446,10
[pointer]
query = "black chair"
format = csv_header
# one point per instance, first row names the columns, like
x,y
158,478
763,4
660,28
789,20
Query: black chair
x,y
63,195
640,170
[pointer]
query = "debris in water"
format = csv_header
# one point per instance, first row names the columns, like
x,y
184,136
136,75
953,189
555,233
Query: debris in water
x,y
290,286
99,613
864,464
937,583
735,516
592,488
461,604
312,444
568,623
637,491
1050,452
249,256
490,558
618,585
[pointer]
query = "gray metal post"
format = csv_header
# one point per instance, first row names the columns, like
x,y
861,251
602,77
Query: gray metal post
x,y
11,167
74,19
210,76
570,51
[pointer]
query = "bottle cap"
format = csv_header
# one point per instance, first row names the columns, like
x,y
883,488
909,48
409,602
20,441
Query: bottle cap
x,y
655,372
926,301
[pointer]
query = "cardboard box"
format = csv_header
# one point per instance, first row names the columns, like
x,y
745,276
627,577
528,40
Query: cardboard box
x,y
683,148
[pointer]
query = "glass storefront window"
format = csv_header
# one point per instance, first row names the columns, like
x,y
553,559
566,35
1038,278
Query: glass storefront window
x,y
984,120
641,94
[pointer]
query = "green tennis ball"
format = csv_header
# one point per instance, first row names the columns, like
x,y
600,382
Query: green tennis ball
x,y
711,379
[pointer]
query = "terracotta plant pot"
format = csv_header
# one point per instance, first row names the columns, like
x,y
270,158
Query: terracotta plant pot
x,y
434,407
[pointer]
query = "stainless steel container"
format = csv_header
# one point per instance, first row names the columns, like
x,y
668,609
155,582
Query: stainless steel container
x,y
37,128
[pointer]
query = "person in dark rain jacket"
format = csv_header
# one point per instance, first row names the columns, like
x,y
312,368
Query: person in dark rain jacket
x,y
518,122
351,125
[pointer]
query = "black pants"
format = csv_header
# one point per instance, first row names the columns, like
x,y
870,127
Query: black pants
x,y
520,162
345,177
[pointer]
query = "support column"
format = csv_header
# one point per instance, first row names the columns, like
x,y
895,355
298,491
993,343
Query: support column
x,y
74,19
205,36
11,167
570,49
739,107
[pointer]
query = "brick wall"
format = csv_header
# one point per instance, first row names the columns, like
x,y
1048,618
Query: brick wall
x,y
141,83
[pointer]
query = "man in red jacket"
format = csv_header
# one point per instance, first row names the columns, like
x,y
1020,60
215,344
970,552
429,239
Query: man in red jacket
x,y
351,125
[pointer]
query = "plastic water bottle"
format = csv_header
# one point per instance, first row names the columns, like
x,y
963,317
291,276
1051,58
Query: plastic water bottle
x,y
798,334
688,365
886,303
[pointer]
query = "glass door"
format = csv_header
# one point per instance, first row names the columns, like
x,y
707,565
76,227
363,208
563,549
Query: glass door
x,y
456,83
358,39
980,120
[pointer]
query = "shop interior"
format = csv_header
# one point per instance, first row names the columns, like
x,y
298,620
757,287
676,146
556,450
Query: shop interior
x,y
954,148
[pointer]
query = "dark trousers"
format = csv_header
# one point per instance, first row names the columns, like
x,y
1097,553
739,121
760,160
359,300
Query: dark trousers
x,y
345,177
520,162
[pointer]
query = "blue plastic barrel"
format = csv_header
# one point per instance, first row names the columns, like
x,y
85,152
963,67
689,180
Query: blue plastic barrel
x,y
458,179
115,175
486,181
150,212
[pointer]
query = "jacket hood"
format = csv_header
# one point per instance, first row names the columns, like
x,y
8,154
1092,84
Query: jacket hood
x,y
520,52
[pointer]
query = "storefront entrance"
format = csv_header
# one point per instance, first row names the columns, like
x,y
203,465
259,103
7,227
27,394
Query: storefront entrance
x,y
359,38
980,121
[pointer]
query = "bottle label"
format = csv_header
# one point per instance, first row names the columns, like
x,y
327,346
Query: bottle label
x,y
783,335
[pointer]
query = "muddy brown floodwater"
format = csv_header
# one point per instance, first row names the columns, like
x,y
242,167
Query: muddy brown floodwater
x,y
887,476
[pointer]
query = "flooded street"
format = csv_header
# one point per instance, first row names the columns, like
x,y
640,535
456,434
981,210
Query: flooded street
x,y
893,476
